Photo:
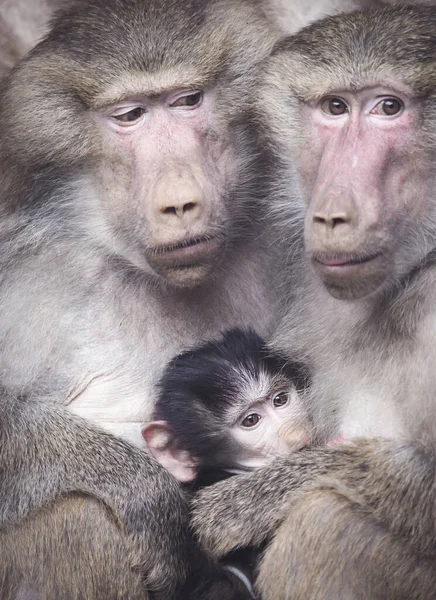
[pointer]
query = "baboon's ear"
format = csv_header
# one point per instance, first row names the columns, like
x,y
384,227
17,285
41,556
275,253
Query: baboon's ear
x,y
161,444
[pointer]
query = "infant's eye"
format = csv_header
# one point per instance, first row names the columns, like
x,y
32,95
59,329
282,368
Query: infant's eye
x,y
130,116
281,399
251,420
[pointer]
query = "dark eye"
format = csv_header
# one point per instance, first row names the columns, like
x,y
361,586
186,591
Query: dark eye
x,y
388,107
130,116
190,100
281,399
334,106
251,420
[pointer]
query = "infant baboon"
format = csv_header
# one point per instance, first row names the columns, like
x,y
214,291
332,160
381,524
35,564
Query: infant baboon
x,y
226,406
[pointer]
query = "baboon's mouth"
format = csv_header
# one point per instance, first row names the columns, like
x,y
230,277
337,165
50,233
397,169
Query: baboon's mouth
x,y
342,261
186,253
353,275
184,244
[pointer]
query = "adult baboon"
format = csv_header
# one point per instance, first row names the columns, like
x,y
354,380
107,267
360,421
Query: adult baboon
x,y
351,101
132,226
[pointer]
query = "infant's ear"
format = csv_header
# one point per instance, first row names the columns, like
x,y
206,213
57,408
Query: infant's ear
x,y
161,444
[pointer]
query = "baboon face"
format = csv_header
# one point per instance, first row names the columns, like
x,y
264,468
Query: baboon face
x,y
230,404
141,108
167,178
361,112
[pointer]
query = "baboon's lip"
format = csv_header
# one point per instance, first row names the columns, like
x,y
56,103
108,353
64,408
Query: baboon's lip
x,y
186,253
340,261
183,246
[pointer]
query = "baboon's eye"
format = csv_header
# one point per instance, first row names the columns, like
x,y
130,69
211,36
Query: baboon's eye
x,y
334,106
388,107
189,100
130,116
251,420
281,399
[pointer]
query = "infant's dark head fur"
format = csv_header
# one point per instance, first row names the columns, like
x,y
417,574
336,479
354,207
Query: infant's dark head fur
x,y
201,387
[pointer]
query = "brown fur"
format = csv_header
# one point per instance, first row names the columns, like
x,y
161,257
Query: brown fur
x,y
24,22
89,553
344,522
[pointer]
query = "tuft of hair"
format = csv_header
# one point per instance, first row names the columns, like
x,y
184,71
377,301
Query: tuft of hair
x,y
363,46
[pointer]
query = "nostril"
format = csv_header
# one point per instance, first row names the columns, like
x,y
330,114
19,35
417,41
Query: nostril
x,y
179,210
337,221
189,206
331,221
169,210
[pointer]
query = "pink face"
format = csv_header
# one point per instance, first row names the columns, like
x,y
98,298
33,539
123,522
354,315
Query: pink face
x,y
367,181
163,187
272,426
275,425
